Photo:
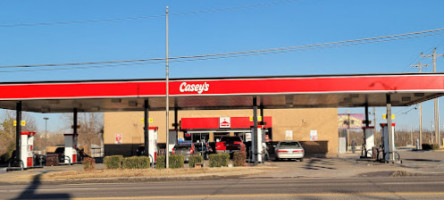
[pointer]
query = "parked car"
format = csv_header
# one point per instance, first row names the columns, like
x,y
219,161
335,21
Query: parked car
x,y
289,150
203,148
230,144
185,149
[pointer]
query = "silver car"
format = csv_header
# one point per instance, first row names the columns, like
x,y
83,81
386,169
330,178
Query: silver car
x,y
289,150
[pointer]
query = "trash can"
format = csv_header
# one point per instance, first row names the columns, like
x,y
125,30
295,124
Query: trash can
x,y
375,153
52,159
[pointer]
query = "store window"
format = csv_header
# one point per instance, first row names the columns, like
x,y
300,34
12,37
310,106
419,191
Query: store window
x,y
243,135
218,136
198,137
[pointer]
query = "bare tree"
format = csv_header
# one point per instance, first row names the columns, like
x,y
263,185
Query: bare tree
x,y
90,130
7,131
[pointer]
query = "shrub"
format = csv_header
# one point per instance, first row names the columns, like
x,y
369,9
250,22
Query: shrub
x,y
160,162
89,163
113,162
176,161
239,158
136,162
219,160
195,159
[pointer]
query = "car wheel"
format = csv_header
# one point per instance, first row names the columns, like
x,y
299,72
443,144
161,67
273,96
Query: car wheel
x,y
302,160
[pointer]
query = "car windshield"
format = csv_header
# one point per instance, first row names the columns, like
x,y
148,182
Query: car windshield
x,y
231,139
183,147
60,150
289,145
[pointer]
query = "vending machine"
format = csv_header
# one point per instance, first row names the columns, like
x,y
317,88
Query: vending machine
x,y
70,148
27,149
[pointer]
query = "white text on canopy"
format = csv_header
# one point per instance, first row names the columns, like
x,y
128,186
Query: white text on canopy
x,y
199,88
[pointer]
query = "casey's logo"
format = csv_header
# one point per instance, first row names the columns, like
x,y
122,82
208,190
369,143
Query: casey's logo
x,y
199,88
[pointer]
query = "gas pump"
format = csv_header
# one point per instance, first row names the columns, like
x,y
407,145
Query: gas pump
x,y
152,146
172,140
260,141
369,136
26,149
384,128
70,148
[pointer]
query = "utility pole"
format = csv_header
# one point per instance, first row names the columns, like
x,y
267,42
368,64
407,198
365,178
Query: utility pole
x,y
437,133
432,138
419,66
167,102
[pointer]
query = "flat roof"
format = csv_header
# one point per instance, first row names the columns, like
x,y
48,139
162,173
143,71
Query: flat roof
x,y
353,90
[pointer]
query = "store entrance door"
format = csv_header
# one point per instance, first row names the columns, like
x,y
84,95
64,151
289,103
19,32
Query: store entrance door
x,y
199,137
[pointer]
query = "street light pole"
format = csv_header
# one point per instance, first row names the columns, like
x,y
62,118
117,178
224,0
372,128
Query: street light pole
x,y
46,132
167,102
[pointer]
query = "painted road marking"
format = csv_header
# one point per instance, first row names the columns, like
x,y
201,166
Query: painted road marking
x,y
272,195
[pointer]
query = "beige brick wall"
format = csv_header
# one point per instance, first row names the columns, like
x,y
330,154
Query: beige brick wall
x,y
300,121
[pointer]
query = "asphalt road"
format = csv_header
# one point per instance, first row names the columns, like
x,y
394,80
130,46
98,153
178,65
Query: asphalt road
x,y
244,188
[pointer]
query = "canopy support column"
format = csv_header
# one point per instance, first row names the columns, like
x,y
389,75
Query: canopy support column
x,y
390,130
255,134
176,123
18,130
367,124
146,126
74,126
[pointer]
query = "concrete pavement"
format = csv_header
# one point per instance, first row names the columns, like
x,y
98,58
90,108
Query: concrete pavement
x,y
242,188
415,163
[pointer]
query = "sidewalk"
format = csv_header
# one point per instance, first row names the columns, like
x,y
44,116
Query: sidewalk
x,y
414,163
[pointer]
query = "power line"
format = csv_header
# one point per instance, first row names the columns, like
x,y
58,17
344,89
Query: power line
x,y
159,61
84,63
315,45
426,33
273,3
301,49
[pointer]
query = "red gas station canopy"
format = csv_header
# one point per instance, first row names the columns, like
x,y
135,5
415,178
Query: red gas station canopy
x,y
224,93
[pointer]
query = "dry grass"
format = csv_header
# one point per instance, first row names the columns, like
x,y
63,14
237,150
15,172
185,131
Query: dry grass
x,y
402,173
151,173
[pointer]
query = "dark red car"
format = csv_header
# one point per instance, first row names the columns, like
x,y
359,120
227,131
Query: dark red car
x,y
230,144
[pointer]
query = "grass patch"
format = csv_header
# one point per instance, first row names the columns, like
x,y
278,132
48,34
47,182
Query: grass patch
x,y
150,173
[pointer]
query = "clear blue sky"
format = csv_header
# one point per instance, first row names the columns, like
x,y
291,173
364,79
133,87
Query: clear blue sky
x,y
248,25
